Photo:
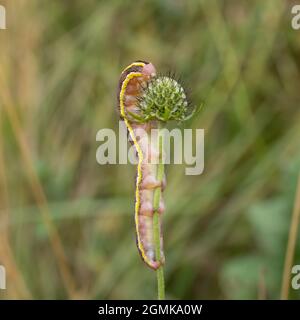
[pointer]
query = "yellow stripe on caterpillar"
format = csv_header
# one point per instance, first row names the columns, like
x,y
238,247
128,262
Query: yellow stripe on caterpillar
x,y
134,64
140,160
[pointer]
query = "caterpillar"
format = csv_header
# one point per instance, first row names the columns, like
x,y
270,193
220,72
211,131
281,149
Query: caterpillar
x,y
134,78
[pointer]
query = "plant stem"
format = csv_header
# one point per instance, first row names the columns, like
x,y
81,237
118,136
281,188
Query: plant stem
x,y
291,246
156,225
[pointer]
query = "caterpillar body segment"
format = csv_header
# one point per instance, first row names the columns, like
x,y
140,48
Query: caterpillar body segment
x,y
132,81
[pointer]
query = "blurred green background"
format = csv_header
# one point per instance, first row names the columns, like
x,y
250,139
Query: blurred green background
x,y
66,222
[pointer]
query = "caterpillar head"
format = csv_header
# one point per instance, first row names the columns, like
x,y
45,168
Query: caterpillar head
x,y
149,69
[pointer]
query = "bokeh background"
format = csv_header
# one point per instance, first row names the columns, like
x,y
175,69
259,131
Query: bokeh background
x,y
66,222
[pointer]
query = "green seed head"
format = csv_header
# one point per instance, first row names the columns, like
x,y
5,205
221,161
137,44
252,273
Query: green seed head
x,y
163,99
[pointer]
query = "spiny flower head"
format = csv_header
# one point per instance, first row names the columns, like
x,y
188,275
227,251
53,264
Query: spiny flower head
x,y
163,99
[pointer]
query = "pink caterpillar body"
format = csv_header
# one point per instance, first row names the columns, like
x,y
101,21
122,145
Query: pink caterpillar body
x,y
132,81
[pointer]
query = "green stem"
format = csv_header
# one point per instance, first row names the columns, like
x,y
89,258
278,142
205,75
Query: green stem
x,y
156,225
